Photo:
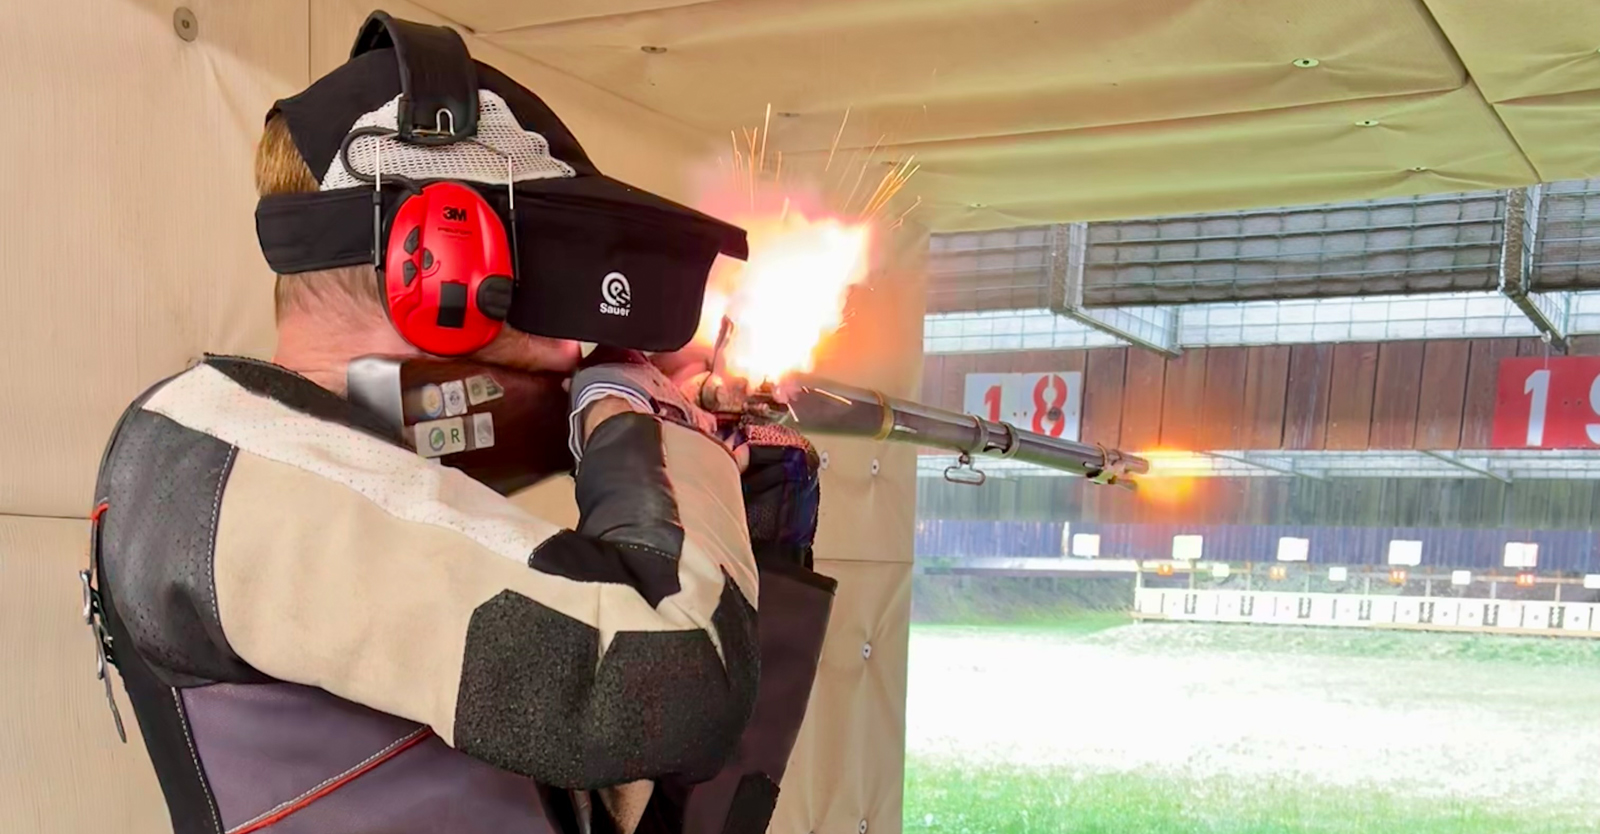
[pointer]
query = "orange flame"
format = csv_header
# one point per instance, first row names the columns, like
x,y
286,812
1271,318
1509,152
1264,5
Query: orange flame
x,y
1171,479
808,248
789,296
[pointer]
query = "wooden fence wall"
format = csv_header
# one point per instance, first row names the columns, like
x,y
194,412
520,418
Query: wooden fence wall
x,y
1436,394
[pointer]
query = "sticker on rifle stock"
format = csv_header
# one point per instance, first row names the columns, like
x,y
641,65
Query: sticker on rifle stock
x,y
482,430
432,401
482,388
441,437
455,398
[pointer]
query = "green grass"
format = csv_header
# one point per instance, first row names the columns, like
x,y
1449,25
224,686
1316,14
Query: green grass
x,y
1063,622
1363,643
998,667
1019,601
949,798
1188,638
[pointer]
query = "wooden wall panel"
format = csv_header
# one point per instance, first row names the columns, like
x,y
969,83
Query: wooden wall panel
x,y
1073,361
956,368
1305,406
1142,395
1391,395
1102,396
1265,387
1477,412
1222,404
1583,346
1180,417
1444,392
1394,396
1355,372
1534,347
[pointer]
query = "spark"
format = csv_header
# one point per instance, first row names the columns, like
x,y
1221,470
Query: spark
x,y
862,173
766,130
834,148
808,249
889,186
900,221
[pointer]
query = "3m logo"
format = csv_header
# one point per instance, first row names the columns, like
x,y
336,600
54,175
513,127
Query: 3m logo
x,y
616,295
459,215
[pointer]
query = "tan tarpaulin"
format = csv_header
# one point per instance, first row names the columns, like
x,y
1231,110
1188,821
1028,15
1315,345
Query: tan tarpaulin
x,y
130,251
1039,111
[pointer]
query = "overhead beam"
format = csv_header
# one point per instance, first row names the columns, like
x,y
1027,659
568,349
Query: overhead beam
x,y
1458,463
1154,328
1547,311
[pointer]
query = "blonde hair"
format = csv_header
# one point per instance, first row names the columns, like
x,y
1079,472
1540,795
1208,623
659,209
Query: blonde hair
x,y
351,290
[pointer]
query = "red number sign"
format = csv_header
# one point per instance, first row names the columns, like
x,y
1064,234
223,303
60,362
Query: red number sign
x,y
1548,403
1047,403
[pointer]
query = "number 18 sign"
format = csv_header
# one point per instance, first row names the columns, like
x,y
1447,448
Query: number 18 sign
x,y
1548,403
1047,403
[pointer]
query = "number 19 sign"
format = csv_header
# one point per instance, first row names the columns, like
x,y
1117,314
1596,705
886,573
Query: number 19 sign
x,y
1548,403
1047,403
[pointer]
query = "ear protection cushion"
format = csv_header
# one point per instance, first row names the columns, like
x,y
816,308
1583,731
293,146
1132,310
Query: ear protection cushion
x,y
446,272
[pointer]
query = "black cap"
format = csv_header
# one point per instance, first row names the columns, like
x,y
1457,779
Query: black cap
x,y
320,117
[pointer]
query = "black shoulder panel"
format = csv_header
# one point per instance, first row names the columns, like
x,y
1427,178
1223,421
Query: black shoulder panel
x,y
623,492
163,484
299,393
574,556
660,703
164,724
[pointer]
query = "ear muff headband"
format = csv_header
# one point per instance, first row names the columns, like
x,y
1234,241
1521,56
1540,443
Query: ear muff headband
x,y
443,256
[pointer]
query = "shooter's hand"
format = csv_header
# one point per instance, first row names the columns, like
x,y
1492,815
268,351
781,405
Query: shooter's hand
x,y
601,391
782,494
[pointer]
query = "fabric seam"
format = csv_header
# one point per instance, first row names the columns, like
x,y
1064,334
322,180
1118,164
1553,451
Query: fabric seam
x,y
200,773
216,513
330,780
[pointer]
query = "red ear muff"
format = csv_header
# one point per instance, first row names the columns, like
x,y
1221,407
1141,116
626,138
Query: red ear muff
x,y
446,275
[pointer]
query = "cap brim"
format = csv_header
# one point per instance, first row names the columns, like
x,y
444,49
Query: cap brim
x,y
599,187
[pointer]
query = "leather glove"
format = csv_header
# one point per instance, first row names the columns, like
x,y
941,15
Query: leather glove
x,y
782,493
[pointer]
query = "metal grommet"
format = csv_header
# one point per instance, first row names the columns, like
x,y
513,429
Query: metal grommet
x,y
1367,123
1306,63
185,24
652,50
823,455
862,828
866,651
1418,169
875,466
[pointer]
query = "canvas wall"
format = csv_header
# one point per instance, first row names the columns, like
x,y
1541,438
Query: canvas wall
x,y
130,252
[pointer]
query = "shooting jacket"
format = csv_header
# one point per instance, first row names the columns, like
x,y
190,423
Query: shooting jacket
x,y
321,631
